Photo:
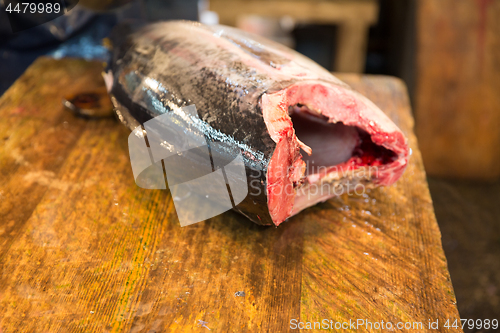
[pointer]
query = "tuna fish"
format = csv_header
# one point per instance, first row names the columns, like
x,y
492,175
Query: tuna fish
x,y
305,136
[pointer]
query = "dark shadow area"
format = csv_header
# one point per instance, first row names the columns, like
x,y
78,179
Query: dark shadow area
x,y
316,41
469,218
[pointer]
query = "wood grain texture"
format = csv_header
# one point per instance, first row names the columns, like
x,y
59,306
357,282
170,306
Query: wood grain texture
x,y
85,250
457,103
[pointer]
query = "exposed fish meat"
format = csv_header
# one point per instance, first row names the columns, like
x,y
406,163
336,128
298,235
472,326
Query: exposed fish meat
x,y
305,136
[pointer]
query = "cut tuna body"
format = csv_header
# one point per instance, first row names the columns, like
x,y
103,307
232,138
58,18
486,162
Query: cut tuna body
x,y
304,135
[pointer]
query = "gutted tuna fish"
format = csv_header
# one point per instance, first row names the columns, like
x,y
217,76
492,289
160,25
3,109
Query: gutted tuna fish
x,y
305,136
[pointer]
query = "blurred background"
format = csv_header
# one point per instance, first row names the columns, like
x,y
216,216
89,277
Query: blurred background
x,y
446,51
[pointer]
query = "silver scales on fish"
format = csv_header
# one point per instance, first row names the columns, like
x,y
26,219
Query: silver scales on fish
x,y
301,135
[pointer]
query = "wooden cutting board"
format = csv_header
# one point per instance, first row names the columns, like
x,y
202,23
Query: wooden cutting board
x,y
82,248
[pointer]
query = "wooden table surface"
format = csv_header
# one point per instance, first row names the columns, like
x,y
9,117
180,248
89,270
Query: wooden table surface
x,y
83,249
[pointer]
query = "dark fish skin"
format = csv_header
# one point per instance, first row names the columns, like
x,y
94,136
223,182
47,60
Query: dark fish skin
x,y
224,72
